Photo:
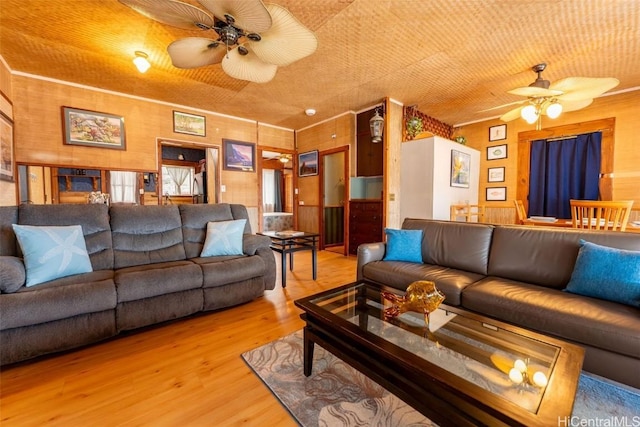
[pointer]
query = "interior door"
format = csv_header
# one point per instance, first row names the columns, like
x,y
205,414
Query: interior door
x,y
335,189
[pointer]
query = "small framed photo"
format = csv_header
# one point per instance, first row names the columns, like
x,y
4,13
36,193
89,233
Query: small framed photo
x,y
7,162
496,152
308,163
496,194
498,133
239,156
93,129
496,175
190,124
460,166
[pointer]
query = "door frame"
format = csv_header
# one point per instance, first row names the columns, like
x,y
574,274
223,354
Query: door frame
x,y
321,154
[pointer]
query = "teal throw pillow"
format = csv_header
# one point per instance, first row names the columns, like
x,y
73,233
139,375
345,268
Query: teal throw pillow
x,y
224,238
606,273
403,245
52,252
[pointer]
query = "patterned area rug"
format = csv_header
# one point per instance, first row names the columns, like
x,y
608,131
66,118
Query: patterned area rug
x,y
338,395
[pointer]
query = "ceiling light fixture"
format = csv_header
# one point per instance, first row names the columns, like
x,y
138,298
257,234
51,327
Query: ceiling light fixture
x,y
376,123
310,112
141,61
284,158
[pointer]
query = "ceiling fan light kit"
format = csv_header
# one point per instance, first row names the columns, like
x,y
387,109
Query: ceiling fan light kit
x,y
253,40
552,99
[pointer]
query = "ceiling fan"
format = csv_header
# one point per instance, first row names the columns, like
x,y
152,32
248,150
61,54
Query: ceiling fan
x,y
251,40
551,99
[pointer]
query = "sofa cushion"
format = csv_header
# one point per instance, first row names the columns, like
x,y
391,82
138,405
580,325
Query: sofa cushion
x,y
59,299
399,275
94,219
223,270
52,252
151,280
223,238
459,245
12,274
146,235
546,256
194,224
607,273
602,324
403,245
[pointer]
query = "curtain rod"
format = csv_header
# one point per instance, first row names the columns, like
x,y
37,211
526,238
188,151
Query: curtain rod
x,y
561,137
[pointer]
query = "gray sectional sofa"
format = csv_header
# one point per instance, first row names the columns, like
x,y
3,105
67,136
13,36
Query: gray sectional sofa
x,y
146,269
518,275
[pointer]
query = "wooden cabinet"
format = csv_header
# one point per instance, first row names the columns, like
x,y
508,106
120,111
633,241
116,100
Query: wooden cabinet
x,y
369,155
365,223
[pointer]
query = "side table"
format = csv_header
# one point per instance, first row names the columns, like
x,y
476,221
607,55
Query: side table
x,y
293,241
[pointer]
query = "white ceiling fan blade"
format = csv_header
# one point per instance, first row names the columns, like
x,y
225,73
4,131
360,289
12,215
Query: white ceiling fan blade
x,y
575,105
248,67
533,91
578,88
512,115
170,12
250,15
286,41
502,106
193,52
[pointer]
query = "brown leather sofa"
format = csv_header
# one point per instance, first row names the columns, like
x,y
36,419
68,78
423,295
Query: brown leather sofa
x,y
517,274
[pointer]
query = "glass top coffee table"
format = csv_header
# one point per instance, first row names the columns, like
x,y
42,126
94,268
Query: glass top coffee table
x,y
462,369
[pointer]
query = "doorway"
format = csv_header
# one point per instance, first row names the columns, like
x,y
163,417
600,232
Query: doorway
x,y
334,189
276,189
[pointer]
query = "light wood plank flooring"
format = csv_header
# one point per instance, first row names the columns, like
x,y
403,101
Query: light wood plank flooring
x,y
184,373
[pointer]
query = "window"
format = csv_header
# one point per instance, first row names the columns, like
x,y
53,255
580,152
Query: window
x,y
177,180
123,187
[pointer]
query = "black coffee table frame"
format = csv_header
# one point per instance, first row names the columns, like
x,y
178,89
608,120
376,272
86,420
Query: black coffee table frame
x,y
440,395
288,245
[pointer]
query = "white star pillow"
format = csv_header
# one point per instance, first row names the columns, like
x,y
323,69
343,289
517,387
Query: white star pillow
x,y
224,238
52,252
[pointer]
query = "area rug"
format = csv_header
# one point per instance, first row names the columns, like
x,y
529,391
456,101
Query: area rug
x,y
338,395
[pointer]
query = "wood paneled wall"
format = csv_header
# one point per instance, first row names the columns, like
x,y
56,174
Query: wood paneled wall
x,y
7,189
39,134
626,157
334,133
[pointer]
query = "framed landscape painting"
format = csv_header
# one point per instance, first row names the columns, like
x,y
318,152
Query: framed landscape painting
x,y
308,163
239,156
190,124
93,129
7,163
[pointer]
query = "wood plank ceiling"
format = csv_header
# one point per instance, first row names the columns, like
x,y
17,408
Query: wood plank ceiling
x,y
452,59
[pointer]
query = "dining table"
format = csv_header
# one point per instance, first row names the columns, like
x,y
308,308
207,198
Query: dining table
x,y
568,223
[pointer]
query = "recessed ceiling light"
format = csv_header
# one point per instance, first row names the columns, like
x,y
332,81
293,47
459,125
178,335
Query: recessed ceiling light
x,y
310,112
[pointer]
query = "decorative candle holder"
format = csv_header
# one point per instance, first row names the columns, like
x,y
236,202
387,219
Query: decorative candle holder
x,y
519,375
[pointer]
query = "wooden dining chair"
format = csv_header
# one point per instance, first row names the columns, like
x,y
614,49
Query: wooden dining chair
x,y
468,212
600,215
521,213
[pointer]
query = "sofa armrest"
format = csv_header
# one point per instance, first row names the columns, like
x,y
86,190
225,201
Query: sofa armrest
x,y
12,274
369,252
251,243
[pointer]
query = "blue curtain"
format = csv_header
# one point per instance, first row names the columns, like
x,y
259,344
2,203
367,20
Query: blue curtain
x,y
561,170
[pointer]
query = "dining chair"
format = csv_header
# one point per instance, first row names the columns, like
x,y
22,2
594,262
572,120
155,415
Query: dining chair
x,y
468,212
521,213
600,214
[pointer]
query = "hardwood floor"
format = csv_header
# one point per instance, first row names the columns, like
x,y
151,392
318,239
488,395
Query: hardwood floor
x,y
184,373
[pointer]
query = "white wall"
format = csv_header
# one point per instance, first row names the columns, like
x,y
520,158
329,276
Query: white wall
x,y
425,178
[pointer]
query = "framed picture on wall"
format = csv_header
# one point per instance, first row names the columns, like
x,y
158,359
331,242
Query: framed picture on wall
x,y
498,133
496,175
190,124
308,163
93,129
460,167
7,163
496,152
239,156
496,194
